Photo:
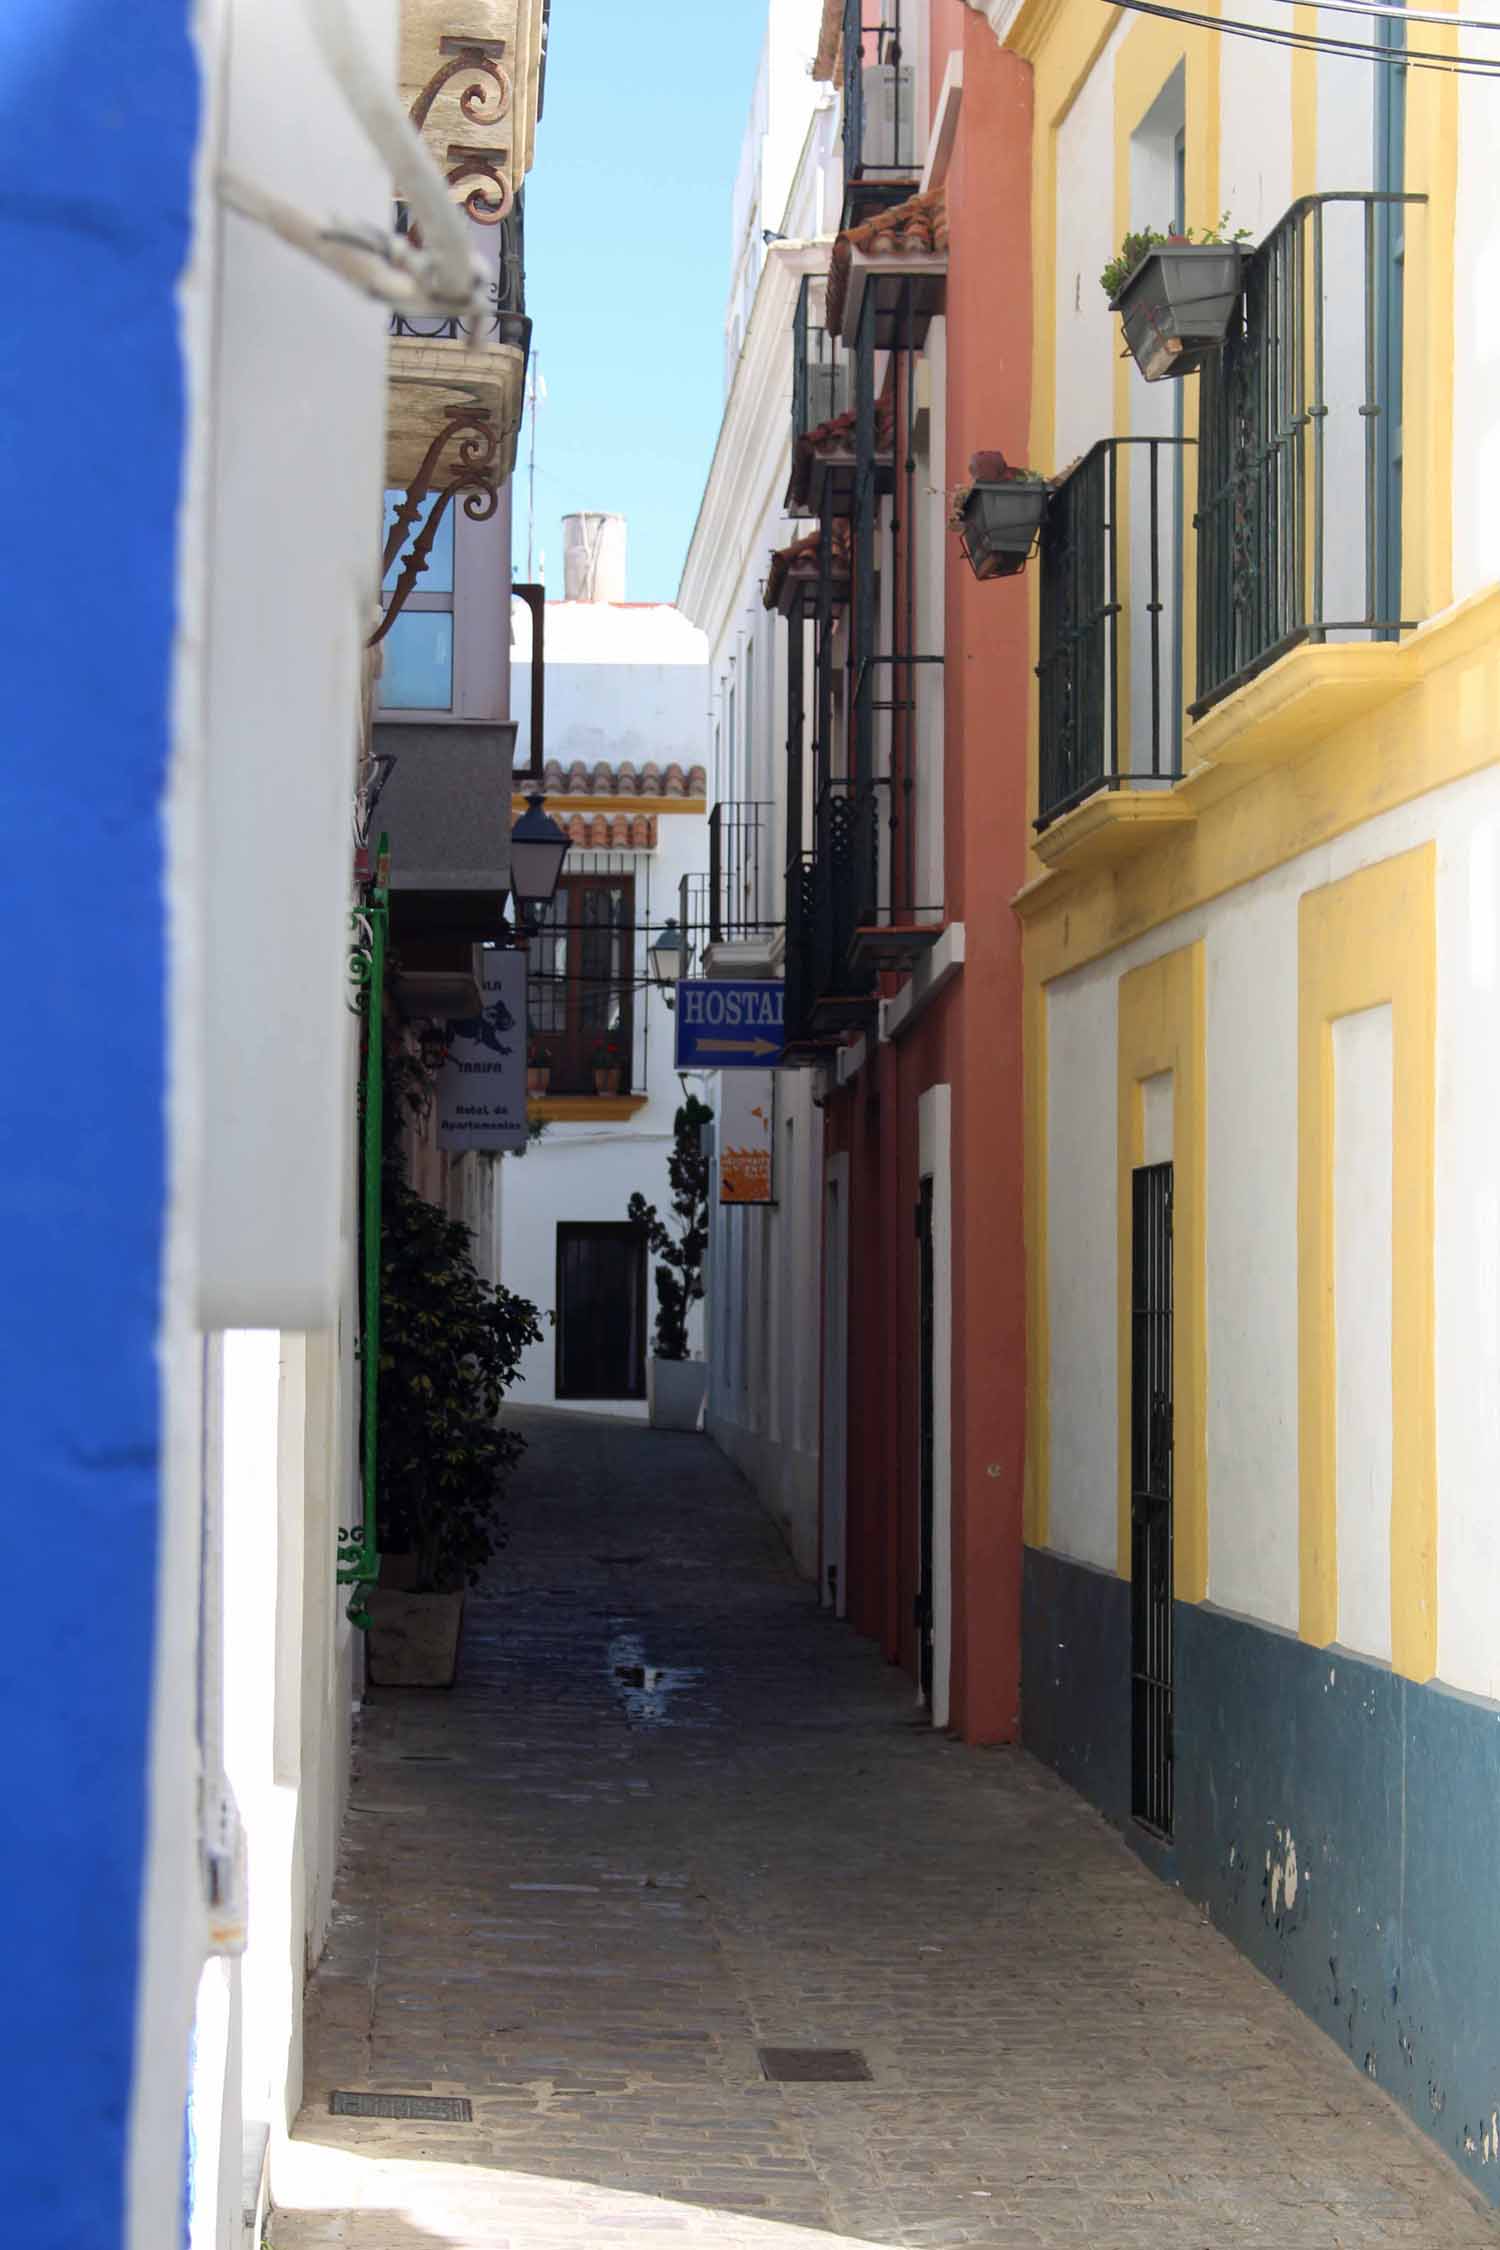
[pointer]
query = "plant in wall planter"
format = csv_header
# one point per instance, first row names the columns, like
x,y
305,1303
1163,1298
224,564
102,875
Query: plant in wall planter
x,y
998,514
538,1068
450,1346
1176,295
609,1066
675,1384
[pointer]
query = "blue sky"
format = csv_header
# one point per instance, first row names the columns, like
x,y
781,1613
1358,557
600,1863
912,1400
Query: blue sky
x,y
627,266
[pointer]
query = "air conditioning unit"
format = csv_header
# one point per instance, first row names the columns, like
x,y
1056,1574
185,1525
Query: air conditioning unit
x,y
890,118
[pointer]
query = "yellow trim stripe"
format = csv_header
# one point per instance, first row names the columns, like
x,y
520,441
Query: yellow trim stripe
x,y
1362,943
1161,1028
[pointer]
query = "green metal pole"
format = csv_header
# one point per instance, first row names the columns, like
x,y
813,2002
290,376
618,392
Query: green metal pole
x,y
359,1555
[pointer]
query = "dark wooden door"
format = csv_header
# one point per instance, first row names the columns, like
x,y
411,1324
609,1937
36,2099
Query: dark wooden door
x,y
1151,1712
925,1418
601,1310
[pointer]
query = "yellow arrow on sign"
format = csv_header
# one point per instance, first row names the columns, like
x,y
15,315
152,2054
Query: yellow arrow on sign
x,y
740,1046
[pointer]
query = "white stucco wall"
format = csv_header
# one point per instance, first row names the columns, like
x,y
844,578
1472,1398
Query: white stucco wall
x,y
1087,331
262,1049
625,682
1250,1254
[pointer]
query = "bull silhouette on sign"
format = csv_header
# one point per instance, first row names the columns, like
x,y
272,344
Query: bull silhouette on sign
x,y
484,1029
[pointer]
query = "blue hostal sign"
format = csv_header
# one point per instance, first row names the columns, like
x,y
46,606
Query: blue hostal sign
x,y
728,1023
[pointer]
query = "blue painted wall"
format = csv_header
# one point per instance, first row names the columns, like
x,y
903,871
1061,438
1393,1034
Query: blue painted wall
x,y
98,121
1389,1792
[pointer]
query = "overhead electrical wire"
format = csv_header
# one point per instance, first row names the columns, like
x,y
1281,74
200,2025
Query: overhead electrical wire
x,y
1393,12
1357,50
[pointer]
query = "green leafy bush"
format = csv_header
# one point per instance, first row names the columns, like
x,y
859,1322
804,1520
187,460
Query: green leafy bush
x,y
1135,246
679,1275
450,1346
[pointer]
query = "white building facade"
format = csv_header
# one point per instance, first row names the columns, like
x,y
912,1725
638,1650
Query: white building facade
x,y
765,1262
626,688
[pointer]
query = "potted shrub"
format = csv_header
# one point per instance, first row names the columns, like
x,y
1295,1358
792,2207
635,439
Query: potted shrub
x,y
675,1384
1176,295
609,1066
538,1068
449,1349
998,514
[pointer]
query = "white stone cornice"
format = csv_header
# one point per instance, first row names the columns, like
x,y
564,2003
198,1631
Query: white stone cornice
x,y
752,458
998,14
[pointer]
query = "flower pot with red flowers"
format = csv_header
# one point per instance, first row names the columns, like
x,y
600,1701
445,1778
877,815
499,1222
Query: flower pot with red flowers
x,y
609,1066
998,514
538,1068
1176,295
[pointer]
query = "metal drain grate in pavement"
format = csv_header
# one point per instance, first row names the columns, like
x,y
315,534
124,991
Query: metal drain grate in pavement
x,y
451,2109
814,2066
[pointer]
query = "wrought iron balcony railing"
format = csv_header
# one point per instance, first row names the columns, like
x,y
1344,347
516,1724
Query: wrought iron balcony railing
x,y
504,245
1110,663
740,905
881,158
1299,465
820,371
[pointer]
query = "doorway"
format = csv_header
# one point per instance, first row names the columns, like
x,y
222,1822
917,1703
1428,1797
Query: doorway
x,y
926,1445
1151,1496
601,1310
833,1466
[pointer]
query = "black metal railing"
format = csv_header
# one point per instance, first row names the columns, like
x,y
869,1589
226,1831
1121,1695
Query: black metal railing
x,y
820,370
847,886
1299,491
739,871
694,918
505,321
880,108
800,968
1110,656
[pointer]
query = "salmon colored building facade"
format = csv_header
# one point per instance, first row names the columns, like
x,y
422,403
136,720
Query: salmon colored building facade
x,y
937,1099
896,825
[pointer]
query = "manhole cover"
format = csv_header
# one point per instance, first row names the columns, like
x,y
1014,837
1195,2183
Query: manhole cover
x,y
452,2109
822,2066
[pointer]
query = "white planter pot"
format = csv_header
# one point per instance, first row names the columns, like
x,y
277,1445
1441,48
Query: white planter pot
x,y
675,1391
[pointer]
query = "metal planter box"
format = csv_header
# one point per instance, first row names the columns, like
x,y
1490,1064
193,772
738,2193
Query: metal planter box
x,y
1000,525
1177,305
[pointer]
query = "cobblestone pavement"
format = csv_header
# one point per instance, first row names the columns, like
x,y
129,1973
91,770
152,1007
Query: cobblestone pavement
x,y
670,1814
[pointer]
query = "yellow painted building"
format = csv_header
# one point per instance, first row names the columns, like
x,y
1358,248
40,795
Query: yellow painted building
x,y
1262,943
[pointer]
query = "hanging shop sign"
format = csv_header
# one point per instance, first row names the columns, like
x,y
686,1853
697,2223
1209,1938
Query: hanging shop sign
x,y
730,1023
746,1137
482,1085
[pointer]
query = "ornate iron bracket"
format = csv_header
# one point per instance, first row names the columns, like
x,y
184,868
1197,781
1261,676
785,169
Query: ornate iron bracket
x,y
485,101
474,456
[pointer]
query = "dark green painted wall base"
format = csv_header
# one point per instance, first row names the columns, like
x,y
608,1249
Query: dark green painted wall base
x,y
1339,1823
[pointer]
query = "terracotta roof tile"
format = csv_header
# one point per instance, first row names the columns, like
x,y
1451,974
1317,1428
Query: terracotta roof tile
x,y
617,832
800,561
624,780
836,437
916,228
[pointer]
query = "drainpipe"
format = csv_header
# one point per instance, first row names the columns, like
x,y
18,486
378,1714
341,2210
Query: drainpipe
x,y
535,598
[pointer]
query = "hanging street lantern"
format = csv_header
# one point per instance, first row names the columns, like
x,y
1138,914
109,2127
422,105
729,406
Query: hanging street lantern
x,y
538,847
667,957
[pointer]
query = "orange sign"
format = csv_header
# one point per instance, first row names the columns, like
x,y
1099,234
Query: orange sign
x,y
746,1120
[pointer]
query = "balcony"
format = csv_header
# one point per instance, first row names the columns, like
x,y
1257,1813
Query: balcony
x,y
882,123
743,927
446,806
1300,445
1110,664
472,88
821,380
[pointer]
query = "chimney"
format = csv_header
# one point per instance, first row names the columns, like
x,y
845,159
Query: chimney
x,y
593,557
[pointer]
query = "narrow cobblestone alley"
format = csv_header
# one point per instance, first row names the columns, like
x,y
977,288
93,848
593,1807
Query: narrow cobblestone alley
x,y
670,1815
